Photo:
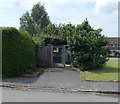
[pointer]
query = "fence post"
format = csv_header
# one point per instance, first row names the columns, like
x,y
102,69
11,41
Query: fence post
x,y
63,56
51,52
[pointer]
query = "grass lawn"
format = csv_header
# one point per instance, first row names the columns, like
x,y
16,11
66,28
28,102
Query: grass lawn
x,y
108,73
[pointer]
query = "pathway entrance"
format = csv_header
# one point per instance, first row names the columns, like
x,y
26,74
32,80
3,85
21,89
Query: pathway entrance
x,y
53,55
59,55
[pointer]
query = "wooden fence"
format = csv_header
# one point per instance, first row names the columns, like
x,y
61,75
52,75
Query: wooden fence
x,y
44,56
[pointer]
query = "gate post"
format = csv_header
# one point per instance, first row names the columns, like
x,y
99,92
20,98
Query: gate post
x,y
64,56
51,51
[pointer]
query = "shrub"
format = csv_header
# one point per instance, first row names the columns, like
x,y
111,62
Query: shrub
x,y
86,47
111,55
114,54
18,52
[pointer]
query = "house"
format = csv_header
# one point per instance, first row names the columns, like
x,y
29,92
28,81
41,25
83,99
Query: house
x,y
114,44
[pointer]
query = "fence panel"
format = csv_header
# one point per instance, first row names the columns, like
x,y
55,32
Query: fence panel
x,y
44,56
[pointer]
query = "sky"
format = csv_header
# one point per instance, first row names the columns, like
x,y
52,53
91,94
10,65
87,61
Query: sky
x,y
100,13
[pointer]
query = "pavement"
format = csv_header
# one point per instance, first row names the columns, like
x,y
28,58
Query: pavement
x,y
114,58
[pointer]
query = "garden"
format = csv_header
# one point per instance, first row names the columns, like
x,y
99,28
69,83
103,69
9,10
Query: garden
x,y
85,45
110,72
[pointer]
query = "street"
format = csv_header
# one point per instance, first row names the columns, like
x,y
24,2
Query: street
x,y
38,96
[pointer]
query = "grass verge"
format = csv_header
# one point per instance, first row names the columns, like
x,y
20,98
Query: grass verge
x,y
109,72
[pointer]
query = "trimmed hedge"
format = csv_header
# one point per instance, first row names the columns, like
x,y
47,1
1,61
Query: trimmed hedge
x,y
18,52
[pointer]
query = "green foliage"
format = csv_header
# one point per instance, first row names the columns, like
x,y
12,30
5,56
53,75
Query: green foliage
x,y
110,72
62,29
111,55
27,23
40,16
44,39
36,21
61,32
86,47
51,29
114,54
19,52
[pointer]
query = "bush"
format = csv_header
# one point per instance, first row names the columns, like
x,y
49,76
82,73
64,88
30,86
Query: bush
x,y
18,52
111,55
114,54
86,47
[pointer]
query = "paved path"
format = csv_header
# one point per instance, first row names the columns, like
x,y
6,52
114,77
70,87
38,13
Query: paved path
x,y
64,79
32,96
115,58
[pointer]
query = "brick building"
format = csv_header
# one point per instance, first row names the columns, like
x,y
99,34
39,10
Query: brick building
x,y
114,44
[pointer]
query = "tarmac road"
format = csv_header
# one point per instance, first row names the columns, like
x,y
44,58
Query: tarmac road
x,y
33,96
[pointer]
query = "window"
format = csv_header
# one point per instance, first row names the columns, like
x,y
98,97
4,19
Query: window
x,y
115,45
112,45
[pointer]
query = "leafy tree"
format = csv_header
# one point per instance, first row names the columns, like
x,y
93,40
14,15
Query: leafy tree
x,y
40,16
36,21
61,30
66,30
86,47
51,29
27,23
44,39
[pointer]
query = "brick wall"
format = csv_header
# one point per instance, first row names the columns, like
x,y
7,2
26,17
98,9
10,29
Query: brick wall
x,y
114,43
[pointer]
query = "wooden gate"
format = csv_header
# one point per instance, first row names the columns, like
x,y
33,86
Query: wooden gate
x,y
59,55
52,56
44,56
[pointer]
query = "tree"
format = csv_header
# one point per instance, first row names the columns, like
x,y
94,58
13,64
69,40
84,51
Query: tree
x,y
40,16
66,30
27,23
51,29
36,21
61,30
86,47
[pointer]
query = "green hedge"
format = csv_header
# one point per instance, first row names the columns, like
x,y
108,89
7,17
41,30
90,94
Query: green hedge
x,y
18,52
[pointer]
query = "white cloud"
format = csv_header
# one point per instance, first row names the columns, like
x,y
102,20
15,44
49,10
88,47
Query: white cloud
x,y
101,6
62,11
106,6
46,1
10,24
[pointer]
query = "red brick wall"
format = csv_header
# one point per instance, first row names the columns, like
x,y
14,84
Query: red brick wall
x,y
113,43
